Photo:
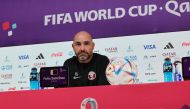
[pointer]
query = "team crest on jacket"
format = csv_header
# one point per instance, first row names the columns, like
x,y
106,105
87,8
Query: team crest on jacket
x,y
91,75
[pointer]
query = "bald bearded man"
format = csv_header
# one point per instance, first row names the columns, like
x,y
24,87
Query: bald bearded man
x,y
86,68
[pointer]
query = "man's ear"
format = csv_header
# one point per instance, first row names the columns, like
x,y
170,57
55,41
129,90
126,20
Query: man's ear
x,y
93,44
72,45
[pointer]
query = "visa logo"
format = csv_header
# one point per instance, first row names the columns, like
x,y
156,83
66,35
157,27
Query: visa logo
x,y
149,47
23,57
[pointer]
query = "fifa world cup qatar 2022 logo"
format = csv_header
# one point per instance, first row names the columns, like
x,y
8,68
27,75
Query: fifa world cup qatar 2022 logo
x,y
93,103
121,71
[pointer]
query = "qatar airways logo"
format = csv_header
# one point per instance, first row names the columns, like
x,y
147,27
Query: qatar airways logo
x,y
169,54
111,49
185,44
6,76
40,64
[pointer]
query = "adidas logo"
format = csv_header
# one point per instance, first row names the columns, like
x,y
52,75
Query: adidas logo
x,y
169,46
40,56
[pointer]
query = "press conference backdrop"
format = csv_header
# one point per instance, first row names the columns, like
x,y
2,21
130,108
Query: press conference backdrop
x,y
38,34
147,52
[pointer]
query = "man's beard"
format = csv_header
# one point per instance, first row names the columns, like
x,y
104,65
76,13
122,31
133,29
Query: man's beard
x,y
83,56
